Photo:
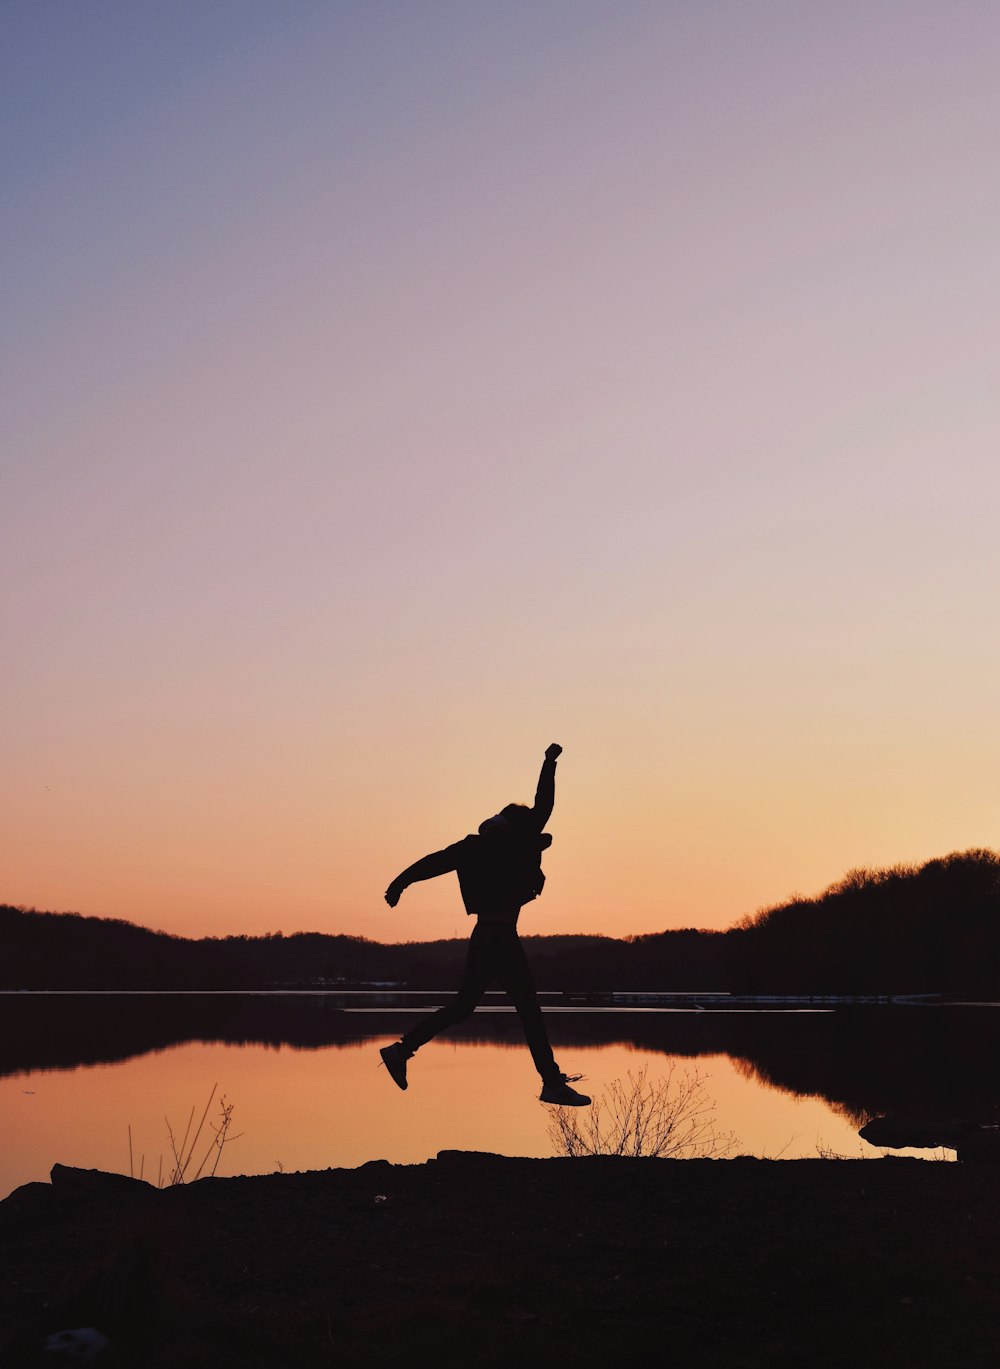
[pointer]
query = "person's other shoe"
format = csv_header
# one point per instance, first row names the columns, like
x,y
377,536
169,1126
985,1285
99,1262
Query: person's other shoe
x,y
563,1096
394,1058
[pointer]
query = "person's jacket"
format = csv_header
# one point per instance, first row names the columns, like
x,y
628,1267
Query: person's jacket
x,y
499,870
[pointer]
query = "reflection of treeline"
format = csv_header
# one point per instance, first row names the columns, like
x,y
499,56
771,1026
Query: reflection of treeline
x,y
912,1061
935,928
935,1062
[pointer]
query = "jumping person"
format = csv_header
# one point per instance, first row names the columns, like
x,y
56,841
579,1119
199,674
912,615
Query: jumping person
x,y
498,872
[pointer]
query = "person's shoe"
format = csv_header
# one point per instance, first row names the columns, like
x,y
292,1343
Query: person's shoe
x,y
394,1058
562,1095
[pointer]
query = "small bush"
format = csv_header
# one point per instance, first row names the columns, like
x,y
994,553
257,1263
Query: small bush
x,y
669,1116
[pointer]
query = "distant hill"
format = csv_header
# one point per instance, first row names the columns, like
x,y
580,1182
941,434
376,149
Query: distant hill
x,y
908,929
42,950
933,928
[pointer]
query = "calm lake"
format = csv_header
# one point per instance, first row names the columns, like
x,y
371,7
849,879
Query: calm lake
x,y
78,1072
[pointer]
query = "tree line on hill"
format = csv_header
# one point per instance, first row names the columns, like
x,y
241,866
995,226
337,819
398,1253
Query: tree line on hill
x,y
933,928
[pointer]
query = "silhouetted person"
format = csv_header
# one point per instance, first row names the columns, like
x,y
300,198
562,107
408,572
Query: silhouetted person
x,y
498,872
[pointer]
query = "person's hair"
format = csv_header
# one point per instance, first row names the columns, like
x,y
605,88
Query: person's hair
x,y
516,812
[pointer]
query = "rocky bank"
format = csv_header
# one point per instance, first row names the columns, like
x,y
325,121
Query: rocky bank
x,y
483,1260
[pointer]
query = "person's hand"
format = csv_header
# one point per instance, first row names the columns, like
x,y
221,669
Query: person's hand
x,y
392,894
553,752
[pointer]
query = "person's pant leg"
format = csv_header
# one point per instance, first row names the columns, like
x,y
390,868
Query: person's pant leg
x,y
479,971
514,974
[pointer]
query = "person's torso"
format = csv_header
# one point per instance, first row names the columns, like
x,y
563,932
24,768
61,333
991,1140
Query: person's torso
x,y
498,875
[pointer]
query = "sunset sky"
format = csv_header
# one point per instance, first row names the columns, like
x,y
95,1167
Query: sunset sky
x,y
391,389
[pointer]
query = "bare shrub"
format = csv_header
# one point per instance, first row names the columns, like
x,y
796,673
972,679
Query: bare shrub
x,y
184,1153
669,1116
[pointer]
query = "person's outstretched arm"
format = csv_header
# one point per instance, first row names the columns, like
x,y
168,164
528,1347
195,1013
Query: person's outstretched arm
x,y
438,863
545,794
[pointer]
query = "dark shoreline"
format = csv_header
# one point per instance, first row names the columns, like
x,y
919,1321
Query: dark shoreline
x,y
482,1260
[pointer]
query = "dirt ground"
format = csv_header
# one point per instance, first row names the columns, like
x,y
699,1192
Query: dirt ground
x,y
483,1260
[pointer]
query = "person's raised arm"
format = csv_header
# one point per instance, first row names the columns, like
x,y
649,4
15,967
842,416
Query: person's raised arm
x,y
438,863
545,794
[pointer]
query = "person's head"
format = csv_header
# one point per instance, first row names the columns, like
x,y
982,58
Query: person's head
x,y
516,814
509,821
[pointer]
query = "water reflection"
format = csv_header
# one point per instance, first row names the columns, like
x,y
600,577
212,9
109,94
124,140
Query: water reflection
x,y
930,1062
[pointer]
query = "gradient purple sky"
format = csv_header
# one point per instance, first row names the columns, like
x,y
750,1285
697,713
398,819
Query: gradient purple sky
x,y
392,389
